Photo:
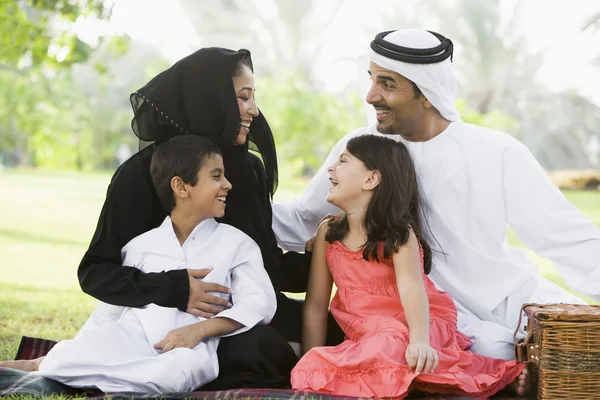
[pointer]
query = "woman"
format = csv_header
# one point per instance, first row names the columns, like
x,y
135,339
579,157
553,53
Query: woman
x,y
196,96
209,93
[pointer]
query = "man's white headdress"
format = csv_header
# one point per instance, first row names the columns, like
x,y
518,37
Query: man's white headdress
x,y
424,58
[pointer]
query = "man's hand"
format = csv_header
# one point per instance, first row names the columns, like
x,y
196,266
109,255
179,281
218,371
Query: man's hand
x,y
200,303
309,245
421,357
187,336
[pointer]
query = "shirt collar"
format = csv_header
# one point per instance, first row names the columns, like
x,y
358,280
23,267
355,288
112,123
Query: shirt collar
x,y
201,232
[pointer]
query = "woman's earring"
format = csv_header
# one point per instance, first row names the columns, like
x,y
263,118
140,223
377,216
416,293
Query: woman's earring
x,y
238,132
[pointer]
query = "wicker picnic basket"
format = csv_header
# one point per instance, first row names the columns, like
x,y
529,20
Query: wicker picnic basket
x,y
562,348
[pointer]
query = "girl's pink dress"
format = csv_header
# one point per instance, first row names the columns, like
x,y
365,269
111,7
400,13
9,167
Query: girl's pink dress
x,y
371,361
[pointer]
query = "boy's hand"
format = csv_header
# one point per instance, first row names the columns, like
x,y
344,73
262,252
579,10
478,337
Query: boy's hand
x,y
200,303
421,357
187,336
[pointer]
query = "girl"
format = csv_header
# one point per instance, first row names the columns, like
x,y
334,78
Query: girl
x,y
400,330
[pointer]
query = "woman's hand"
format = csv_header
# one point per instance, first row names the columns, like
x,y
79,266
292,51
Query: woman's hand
x,y
200,303
187,336
421,357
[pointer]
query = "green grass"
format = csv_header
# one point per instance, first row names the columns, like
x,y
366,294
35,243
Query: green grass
x,y
46,224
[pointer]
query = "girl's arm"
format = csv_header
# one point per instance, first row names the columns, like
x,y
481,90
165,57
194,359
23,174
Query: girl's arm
x,y
409,278
318,295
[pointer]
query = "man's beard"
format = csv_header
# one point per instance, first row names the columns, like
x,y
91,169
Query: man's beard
x,y
387,130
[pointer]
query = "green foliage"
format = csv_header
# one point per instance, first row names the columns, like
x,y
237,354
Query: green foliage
x,y
46,118
494,119
306,124
52,124
37,32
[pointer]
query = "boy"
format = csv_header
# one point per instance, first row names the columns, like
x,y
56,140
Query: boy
x,y
163,350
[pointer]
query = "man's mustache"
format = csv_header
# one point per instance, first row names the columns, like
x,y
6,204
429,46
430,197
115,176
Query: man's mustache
x,y
379,105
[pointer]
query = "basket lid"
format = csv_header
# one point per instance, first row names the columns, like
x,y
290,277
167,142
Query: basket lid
x,y
563,312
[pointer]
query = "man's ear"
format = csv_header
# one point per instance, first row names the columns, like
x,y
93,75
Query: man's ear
x,y
373,179
179,188
426,103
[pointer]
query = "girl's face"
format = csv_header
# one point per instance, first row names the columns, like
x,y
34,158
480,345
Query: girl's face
x,y
348,177
243,84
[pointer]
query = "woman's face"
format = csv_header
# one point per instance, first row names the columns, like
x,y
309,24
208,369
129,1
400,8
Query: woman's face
x,y
243,84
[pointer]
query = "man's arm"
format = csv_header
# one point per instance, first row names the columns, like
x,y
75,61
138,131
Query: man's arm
x,y
547,223
296,221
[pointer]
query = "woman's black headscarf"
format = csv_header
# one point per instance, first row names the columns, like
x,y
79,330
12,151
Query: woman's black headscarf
x,y
196,97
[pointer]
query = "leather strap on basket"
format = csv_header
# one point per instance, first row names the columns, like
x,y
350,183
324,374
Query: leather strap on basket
x,y
521,315
525,350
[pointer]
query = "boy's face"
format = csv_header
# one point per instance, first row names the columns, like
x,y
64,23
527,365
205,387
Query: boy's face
x,y
209,194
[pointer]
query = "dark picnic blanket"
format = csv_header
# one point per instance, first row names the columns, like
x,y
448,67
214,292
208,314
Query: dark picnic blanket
x,y
22,383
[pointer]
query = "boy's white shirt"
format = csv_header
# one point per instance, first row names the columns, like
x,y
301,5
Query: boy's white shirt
x,y
236,261
114,351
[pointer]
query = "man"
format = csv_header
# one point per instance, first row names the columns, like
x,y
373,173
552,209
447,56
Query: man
x,y
475,182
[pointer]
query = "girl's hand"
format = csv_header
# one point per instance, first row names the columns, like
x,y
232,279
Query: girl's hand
x,y
187,336
421,357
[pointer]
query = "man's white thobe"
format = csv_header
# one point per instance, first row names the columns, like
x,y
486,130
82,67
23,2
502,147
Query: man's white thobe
x,y
114,350
475,182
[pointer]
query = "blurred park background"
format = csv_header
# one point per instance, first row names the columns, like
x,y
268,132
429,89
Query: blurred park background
x,y
530,68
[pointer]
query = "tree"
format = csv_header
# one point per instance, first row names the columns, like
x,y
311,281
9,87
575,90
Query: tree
x,y
593,22
38,32
307,124
74,118
497,70
286,38
287,43
592,25
45,117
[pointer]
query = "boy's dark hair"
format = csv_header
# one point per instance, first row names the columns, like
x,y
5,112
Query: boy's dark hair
x,y
394,208
181,156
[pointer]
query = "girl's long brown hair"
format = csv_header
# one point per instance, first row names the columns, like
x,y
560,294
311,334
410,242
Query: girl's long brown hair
x,y
395,206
